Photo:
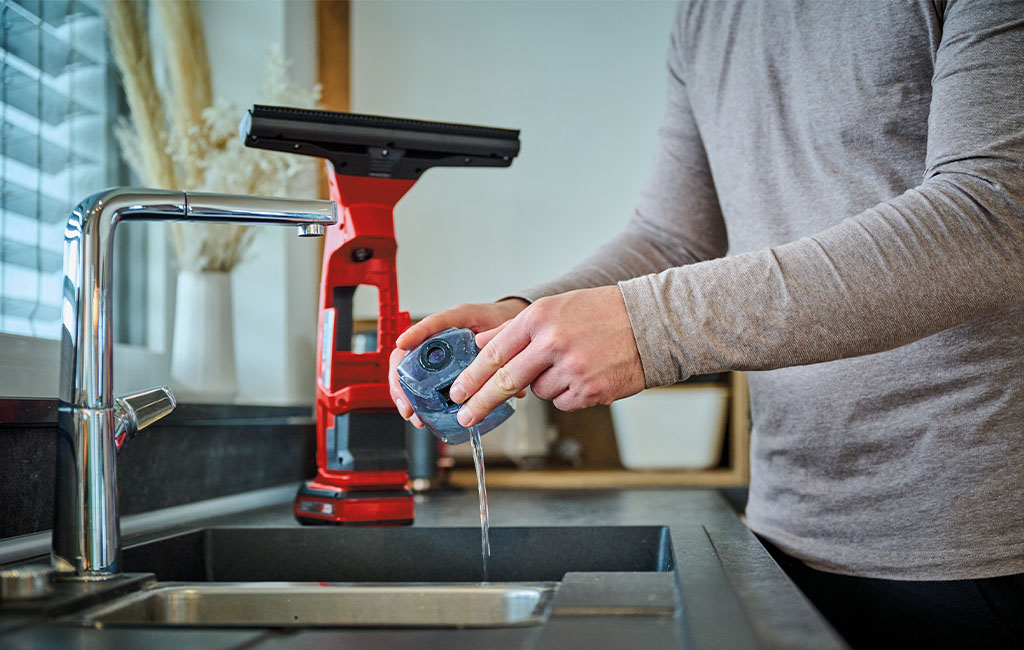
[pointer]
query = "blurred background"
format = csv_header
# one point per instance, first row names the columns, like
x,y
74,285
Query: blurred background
x,y
584,82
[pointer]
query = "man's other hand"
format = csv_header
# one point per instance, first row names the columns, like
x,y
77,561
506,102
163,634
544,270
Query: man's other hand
x,y
575,349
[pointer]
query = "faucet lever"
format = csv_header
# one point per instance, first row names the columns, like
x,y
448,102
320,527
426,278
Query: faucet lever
x,y
137,411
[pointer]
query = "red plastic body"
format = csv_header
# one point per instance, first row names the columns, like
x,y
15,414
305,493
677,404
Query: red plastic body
x,y
347,381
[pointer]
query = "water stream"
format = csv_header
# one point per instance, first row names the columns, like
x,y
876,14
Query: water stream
x,y
481,487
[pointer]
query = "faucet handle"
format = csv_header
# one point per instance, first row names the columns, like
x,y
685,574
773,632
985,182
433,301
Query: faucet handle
x,y
137,411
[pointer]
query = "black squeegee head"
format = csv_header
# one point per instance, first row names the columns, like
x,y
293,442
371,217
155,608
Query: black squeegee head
x,y
373,145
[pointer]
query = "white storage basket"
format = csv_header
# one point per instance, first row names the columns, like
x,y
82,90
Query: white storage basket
x,y
675,427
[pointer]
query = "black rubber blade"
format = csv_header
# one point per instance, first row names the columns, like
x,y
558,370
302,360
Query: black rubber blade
x,y
373,145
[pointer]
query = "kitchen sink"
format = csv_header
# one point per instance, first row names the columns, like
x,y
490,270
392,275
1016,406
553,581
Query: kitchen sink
x,y
284,604
390,577
402,555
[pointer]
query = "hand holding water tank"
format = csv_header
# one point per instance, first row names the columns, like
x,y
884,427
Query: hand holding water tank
x,y
426,375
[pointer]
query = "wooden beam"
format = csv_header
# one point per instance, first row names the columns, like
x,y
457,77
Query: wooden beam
x,y
333,53
595,478
333,62
739,427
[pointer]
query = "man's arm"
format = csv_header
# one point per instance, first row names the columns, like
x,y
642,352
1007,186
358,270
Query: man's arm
x,y
943,253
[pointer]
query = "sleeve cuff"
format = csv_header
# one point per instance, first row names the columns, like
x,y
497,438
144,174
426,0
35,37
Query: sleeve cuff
x,y
652,337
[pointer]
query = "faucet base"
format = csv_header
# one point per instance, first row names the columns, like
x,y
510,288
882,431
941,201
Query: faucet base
x,y
85,577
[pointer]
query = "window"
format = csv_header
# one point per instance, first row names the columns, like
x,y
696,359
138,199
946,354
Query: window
x,y
59,101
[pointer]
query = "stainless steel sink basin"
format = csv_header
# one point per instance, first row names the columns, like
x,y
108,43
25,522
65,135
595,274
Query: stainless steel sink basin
x,y
301,604
371,577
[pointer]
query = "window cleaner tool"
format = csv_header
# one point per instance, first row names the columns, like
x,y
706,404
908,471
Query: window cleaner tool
x,y
426,375
372,161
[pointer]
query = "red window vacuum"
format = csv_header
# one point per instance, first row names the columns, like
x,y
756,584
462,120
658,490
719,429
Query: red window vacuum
x,y
372,161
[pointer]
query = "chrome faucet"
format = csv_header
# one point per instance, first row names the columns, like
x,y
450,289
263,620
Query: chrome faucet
x,y
92,423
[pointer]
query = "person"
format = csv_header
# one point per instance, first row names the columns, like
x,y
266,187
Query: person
x,y
863,164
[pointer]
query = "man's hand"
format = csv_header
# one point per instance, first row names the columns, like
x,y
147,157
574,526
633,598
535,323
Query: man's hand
x,y
575,349
478,318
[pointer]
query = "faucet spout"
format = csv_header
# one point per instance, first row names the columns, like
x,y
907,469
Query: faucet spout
x,y
235,208
92,423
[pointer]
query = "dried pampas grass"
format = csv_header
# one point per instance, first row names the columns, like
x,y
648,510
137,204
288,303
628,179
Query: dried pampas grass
x,y
227,165
188,67
199,146
130,46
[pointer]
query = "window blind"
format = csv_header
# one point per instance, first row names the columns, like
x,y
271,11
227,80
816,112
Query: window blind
x,y
58,103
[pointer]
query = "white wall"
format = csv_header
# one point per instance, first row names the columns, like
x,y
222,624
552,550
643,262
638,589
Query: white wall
x,y
583,80
275,288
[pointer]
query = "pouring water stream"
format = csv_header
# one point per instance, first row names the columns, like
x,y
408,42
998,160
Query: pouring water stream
x,y
478,463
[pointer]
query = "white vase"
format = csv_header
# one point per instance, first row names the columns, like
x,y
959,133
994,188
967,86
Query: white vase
x,y
203,351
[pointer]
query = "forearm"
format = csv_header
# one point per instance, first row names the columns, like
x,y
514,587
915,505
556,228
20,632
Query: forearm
x,y
944,253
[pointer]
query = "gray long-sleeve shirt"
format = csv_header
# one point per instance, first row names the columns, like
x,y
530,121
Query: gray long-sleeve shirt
x,y
863,163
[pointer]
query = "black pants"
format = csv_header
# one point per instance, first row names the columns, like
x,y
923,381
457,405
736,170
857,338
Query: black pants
x,y
872,613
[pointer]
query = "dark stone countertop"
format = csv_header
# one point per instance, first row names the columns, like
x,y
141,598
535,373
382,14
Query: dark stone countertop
x,y
733,594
